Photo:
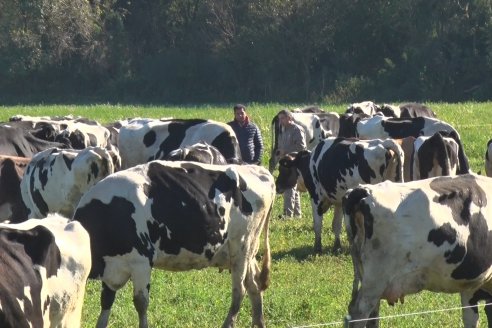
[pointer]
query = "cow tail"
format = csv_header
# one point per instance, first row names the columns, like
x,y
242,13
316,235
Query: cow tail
x,y
264,278
462,159
393,145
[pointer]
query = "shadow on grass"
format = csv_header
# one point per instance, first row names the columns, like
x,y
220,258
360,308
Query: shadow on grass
x,y
303,253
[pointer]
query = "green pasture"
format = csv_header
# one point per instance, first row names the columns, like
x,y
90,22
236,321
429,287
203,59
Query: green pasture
x,y
306,290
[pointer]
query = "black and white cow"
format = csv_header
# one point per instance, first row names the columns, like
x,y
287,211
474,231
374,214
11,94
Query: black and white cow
x,y
407,110
78,131
488,159
44,268
56,179
12,207
384,127
179,216
333,167
431,234
199,152
316,127
435,156
19,142
365,108
143,140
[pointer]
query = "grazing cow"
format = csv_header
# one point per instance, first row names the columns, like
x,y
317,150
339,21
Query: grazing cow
x,y
199,152
407,110
431,234
179,216
316,127
365,108
12,207
308,109
333,167
44,268
397,128
144,140
435,156
488,159
79,132
56,179
19,142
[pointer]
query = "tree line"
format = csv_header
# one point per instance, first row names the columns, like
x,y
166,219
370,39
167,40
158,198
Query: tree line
x,y
177,51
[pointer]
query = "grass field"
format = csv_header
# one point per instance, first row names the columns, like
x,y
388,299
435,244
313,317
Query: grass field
x,y
306,290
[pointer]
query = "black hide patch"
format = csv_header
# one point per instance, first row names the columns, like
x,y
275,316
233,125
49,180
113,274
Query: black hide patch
x,y
398,128
112,231
338,161
183,203
20,251
177,132
474,254
227,145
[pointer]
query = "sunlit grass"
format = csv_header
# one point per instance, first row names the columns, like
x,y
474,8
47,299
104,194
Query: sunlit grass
x,y
305,289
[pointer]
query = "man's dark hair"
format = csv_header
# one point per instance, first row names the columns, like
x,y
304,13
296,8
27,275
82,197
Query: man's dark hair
x,y
239,106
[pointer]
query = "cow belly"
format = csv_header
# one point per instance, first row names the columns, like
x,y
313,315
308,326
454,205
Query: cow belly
x,y
187,260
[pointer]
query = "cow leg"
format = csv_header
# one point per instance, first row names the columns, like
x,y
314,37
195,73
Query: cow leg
x,y
469,315
107,299
141,291
255,294
318,226
238,275
337,227
365,306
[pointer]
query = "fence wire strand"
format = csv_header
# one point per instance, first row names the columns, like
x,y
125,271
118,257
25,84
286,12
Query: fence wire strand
x,y
393,316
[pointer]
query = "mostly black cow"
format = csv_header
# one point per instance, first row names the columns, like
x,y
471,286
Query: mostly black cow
x,y
199,152
12,170
143,140
44,268
435,156
431,234
19,142
488,159
179,216
334,166
56,179
407,110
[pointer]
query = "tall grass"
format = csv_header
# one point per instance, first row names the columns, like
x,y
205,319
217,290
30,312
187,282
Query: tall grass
x,y
306,289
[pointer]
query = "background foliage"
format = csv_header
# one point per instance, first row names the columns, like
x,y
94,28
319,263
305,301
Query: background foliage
x,y
156,51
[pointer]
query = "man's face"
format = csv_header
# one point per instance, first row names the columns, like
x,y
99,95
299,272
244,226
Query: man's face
x,y
239,115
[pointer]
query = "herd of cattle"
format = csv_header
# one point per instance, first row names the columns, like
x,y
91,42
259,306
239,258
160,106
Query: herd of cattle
x,y
181,199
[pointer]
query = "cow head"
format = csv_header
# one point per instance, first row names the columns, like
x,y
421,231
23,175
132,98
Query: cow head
x,y
287,176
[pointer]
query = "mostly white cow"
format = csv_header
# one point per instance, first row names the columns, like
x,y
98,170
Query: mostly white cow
x,y
44,267
179,216
316,127
56,179
365,108
431,234
333,167
144,140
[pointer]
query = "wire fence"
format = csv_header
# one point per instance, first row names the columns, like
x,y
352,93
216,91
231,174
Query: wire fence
x,y
347,320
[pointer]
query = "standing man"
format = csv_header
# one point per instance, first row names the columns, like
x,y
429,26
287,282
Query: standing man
x,y
291,139
248,136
